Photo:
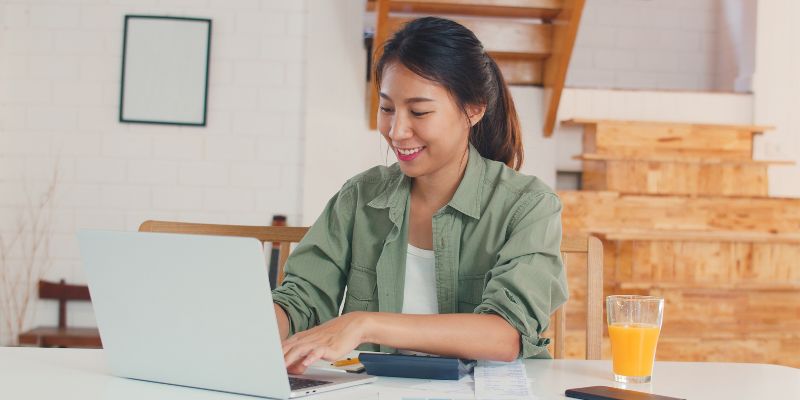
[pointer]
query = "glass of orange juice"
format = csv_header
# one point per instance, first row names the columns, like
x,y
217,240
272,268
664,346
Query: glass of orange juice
x,y
634,323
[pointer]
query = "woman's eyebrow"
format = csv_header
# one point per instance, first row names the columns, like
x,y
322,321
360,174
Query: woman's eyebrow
x,y
409,100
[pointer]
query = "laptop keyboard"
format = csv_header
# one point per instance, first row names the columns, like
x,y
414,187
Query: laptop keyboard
x,y
302,383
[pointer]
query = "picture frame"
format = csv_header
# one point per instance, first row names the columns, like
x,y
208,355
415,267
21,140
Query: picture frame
x,y
165,70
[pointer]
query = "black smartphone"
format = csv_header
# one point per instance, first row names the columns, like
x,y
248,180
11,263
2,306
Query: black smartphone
x,y
612,393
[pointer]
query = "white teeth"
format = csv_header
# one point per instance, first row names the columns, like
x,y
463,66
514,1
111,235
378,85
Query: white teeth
x,y
409,151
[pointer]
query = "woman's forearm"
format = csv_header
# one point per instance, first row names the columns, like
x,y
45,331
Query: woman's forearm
x,y
283,321
469,336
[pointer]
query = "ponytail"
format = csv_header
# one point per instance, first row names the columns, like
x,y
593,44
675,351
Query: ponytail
x,y
497,135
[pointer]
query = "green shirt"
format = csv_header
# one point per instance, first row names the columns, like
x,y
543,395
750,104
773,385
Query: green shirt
x,y
496,245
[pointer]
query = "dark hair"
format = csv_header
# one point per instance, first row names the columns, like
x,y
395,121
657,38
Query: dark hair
x,y
446,52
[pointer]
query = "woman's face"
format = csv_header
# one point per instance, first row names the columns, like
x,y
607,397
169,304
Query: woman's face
x,y
421,122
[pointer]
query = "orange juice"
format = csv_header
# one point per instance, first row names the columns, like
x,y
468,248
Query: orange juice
x,y
633,348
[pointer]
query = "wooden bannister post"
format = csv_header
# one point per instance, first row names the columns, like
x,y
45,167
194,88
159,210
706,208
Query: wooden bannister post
x,y
381,34
565,30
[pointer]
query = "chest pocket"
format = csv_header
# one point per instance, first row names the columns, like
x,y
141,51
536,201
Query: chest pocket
x,y
362,288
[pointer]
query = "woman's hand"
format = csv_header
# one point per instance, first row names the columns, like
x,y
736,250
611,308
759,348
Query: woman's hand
x,y
329,341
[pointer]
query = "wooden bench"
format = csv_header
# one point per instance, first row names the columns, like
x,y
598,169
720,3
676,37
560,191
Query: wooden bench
x,y
61,335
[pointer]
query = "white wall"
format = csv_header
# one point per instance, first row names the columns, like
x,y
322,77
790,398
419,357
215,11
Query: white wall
x,y
777,91
59,91
338,142
646,44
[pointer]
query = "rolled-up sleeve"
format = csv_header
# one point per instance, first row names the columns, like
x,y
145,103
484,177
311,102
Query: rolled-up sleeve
x,y
316,271
528,282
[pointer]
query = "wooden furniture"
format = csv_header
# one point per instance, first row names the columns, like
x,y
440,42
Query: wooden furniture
x,y
45,374
285,235
589,250
683,213
636,157
531,40
61,335
580,246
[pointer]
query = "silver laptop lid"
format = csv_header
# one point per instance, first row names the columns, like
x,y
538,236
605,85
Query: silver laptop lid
x,y
191,310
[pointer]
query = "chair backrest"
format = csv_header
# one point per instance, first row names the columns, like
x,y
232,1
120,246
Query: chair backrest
x,y
62,292
592,248
285,235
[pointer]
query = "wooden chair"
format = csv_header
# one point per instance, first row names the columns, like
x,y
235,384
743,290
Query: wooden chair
x,y
592,247
589,245
285,235
61,335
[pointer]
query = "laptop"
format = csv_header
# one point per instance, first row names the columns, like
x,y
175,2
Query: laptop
x,y
193,310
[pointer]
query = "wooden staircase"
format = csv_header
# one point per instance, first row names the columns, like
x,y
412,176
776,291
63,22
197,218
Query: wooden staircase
x,y
531,40
684,213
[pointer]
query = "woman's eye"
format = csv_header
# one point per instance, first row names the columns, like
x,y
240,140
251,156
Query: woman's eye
x,y
419,114
386,109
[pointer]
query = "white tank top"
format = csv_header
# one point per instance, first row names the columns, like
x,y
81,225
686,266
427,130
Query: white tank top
x,y
419,291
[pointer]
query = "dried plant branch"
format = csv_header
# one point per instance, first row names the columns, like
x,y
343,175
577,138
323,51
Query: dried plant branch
x,y
18,278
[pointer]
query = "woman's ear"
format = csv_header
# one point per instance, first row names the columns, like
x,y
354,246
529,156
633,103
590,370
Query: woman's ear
x,y
475,113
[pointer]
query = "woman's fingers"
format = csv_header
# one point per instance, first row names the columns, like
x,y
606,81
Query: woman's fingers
x,y
313,355
294,354
299,360
327,341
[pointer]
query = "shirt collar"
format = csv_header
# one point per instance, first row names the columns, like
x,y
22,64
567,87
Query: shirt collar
x,y
394,195
466,199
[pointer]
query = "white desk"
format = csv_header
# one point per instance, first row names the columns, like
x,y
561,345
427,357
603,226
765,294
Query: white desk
x,y
53,374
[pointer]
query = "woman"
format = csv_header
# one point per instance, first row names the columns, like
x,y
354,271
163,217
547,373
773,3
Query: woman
x,y
449,251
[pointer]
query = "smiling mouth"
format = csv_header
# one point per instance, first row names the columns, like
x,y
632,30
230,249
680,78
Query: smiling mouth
x,y
408,152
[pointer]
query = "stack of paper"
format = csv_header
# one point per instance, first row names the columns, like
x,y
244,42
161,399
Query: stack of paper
x,y
501,381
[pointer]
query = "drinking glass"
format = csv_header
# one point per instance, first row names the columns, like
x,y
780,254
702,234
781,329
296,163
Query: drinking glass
x,y
634,323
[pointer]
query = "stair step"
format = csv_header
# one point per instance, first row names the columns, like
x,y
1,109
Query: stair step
x,y
610,212
724,178
543,9
668,140
696,236
745,127
521,72
503,39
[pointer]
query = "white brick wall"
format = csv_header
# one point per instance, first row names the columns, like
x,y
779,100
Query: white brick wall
x,y
647,44
59,99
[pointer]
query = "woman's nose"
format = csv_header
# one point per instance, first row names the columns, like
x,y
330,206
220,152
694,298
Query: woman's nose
x,y
401,129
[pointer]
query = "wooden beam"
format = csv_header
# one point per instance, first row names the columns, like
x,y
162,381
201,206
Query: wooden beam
x,y
686,160
542,9
590,121
743,286
695,236
555,71
595,299
262,233
381,35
